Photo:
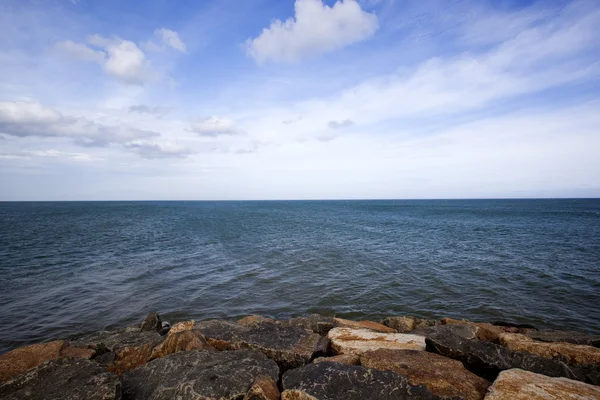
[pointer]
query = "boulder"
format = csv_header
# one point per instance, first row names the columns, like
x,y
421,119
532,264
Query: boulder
x,y
290,346
181,341
63,379
17,361
263,388
130,349
570,353
566,337
516,384
464,331
316,323
488,331
77,352
348,359
151,323
408,323
374,326
488,359
442,376
357,341
324,381
199,374
182,326
253,319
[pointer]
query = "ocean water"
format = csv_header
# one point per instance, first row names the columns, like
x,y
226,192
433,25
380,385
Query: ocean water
x,y
73,267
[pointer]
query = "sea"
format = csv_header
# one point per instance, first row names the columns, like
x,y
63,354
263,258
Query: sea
x,y
72,267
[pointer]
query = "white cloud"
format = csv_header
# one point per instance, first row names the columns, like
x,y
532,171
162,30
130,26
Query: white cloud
x,y
152,150
214,126
170,38
153,110
340,124
316,29
24,119
80,51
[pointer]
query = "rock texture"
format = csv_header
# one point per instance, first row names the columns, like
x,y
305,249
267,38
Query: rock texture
x,y
22,359
329,381
181,341
487,359
130,349
182,326
348,359
408,323
290,346
374,326
316,323
65,379
565,337
254,319
489,332
199,374
516,384
442,376
151,323
567,352
357,341
263,388
464,331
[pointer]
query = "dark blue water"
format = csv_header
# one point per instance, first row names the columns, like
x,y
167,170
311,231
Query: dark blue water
x,y
70,267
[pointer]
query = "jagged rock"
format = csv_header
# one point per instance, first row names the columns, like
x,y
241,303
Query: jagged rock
x,y
374,326
182,326
464,331
566,337
316,323
357,341
199,374
516,384
325,381
290,346
348,359
17,361
151,323
441,375
131,349
181,341
65,379
254,319
570,353
263,388
487,359
408,323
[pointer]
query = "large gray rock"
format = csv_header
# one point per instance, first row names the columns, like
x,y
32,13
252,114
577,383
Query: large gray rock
x,y
63,379
316,323
329,381
487,359
289,346
199,374
121,350
151,323
566,337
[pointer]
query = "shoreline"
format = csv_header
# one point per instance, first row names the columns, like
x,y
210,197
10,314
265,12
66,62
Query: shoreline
x,y
312,357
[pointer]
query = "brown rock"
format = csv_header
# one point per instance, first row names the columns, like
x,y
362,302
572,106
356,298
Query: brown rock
x,y
400,324
254,319
182,326
296,395
442,376
181,341
77,352
348,359
487,331
263,388
567,352
151,323
17,361
316,323
374,326
516,384
358,341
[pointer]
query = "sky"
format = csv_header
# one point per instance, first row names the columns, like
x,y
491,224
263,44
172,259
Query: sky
x,y
304,99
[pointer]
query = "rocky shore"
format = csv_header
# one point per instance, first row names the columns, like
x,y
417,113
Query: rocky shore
x,y
307,358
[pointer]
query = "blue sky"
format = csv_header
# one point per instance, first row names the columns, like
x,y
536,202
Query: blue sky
x,y
302,99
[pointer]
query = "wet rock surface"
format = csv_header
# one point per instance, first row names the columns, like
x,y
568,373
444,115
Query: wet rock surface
x,y
463,331
325,381
487,359
290,346
516,384
441,375
67,379
565,337
357,341
316,323
199,374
